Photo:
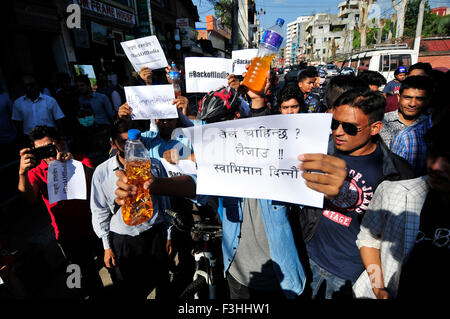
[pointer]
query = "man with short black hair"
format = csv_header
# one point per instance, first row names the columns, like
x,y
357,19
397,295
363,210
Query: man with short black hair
x,y
420,68
373,78
340,84
306,83
414,95
100,103
71,219
291,101
136,254
330,233
35,108
394,85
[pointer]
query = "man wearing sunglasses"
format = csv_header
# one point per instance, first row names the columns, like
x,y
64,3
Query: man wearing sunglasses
x,y
330,233
405,238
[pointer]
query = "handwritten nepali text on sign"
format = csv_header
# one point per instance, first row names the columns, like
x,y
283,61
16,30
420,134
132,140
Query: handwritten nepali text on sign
x,y
257,157
151,102
66,180
145,52
206,74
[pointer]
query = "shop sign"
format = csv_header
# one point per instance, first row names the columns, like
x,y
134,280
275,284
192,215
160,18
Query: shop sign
x,y
106,10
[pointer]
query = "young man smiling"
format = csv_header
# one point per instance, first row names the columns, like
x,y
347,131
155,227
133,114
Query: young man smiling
x,y
414,95
330,233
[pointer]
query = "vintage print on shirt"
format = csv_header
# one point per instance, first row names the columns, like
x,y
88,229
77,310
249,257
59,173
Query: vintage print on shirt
x,y
355,197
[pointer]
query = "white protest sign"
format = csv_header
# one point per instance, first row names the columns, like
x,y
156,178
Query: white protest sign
x,y
145,52
66,180
206,74
151,101
241,58
257,157
184,167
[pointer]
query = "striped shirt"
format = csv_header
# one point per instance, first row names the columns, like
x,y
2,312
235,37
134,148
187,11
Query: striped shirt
x,y
410,145
392,124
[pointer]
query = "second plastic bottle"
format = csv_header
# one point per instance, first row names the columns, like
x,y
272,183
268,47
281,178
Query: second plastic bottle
x,y
174,75
267,49
138,208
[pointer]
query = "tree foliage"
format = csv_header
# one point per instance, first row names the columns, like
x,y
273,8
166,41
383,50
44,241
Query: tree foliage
x,y
433,24
223,10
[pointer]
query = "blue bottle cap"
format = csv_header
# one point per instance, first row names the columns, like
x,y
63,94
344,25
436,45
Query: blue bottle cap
x,y
134,134
280,22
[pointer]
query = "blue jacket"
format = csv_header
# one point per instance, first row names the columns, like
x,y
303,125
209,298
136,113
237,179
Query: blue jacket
x,y
279,234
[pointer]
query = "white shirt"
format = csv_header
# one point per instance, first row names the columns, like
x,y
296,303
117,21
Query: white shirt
x,y
104,217
43,111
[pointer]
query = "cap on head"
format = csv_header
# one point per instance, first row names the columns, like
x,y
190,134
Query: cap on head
x,y
400,69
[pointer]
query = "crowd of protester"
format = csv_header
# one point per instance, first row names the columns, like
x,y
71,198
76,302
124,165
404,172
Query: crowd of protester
x,y
383,231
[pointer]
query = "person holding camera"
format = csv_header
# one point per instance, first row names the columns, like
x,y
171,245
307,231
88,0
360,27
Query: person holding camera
x,y
70,219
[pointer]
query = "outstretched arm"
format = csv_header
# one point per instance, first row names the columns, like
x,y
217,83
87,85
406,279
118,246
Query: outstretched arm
x,y
178,186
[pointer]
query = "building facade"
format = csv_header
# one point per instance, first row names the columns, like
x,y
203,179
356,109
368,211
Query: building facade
x,y
325,37
246,23
218,35
441,11
349,14
293,40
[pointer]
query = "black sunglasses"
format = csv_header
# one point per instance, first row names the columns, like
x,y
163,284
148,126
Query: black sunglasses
x,y
349,128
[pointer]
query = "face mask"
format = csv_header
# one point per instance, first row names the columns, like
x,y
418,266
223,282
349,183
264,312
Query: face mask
x,y
86,121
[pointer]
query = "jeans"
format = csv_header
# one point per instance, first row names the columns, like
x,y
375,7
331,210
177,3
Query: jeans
x,y
336,288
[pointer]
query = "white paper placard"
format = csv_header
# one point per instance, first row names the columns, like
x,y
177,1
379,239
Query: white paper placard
x,y
257,157
151,101
66,180
241,58
206,74
145,52
184,167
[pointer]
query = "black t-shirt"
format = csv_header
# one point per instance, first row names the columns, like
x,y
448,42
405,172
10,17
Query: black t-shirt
x,y
426,273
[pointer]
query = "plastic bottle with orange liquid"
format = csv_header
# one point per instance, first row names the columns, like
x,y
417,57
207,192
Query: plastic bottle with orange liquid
x,y
267,49
138,208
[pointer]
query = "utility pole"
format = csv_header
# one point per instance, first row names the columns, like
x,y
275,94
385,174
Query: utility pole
x,y
150,20
419,27
235,25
